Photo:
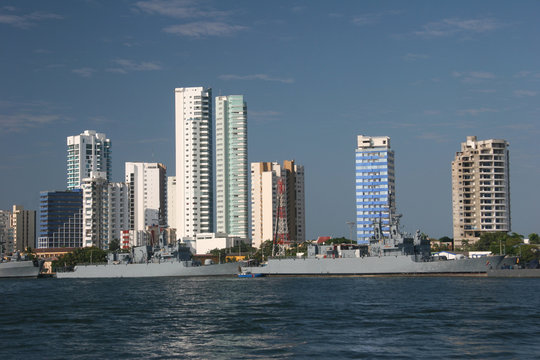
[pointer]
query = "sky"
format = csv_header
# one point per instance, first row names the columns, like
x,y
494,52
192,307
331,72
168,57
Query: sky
x,y
314,74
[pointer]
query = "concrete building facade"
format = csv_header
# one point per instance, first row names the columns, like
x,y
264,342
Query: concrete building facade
x,y
23,224
105,210
194,161
87,152
231,166
6,232
147,184
265,177
171,202
480,189
375,185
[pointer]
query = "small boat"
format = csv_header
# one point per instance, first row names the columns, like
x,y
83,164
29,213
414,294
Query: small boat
x,y
249,274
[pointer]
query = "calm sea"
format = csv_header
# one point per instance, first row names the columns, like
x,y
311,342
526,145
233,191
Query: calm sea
x,y
324,318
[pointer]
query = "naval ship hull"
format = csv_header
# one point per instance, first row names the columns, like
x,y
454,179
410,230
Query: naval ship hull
x,y
371,265
182,268
18,269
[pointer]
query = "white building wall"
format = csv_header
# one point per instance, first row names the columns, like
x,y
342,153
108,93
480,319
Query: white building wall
x,y
118,214
171,202
87,152
147,194
95,210
194,161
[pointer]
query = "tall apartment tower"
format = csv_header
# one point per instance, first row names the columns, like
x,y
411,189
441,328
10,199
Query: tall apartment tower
x,y
6,232
194,161
171,202
480,189
23,223
147,183
265,177
89,151
105,210
231,166
375,185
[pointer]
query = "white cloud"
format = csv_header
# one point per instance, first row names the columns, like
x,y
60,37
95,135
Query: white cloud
x,y
203,29
21,121
372,18
484,91
453,26
84,72
413,57
263,77
181,9
20,116
473,76
124,66
475,112
264,116
28,20
523,93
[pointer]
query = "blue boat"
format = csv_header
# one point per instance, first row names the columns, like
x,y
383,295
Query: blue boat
x,y
249,274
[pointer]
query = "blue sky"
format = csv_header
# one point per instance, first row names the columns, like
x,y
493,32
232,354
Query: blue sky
x,y
314,74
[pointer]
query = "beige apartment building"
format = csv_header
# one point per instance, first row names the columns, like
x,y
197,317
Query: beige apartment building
x,y
23,223
480,189
265,177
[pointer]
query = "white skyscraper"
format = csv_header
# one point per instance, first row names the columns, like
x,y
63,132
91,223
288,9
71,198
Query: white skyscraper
x,y
105,210
194,174
89,151
171,202
231,166
147,184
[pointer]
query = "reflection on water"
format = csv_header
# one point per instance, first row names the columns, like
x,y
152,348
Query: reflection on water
x,y
270,318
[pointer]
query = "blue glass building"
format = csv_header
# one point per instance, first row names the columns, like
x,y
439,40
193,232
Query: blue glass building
x,y
60,219
375,185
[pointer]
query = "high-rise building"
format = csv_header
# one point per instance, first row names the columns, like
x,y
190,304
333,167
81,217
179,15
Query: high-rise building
x,y
6,232
147,183
89,151
23,223
194,161
375,185
231,166
118,206
480,189
60,219
269,182
171,202
105,210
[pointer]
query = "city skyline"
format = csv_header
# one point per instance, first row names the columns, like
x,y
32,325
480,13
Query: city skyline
x,y
315,76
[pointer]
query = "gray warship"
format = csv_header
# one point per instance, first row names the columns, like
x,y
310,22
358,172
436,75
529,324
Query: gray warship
x,y
395,254
144,261
19,266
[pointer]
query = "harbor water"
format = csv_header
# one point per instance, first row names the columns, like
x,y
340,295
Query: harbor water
x,y
302,317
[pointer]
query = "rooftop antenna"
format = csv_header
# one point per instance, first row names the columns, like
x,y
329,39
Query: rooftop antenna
x,y
351,227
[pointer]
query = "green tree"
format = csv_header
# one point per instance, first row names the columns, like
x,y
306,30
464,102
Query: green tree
x,y
87,255
446,239
340,240
114,245
534,238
